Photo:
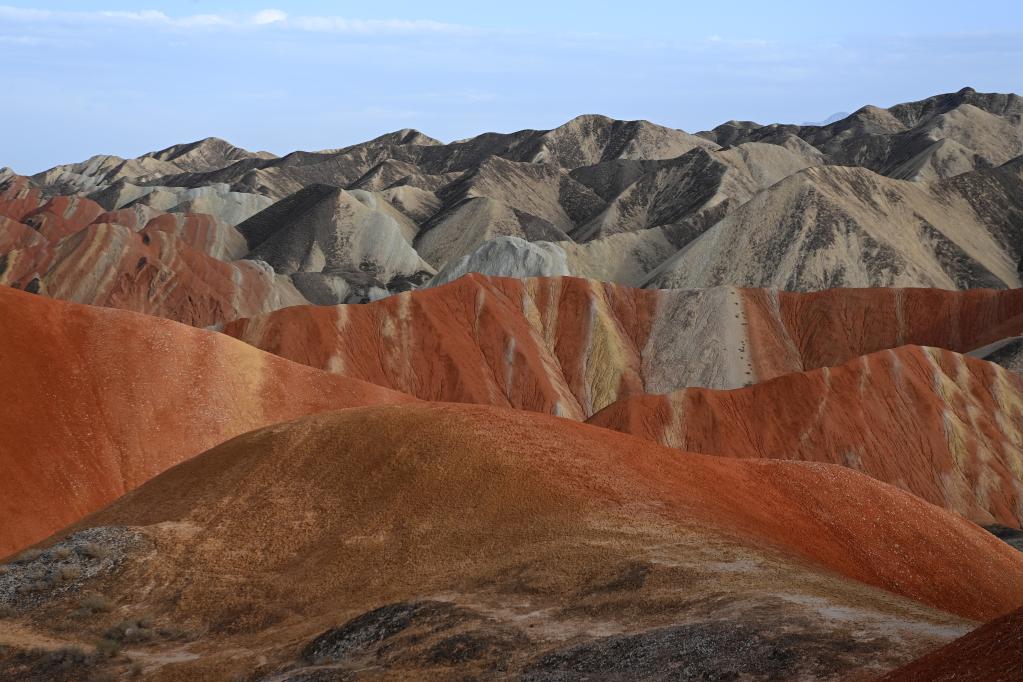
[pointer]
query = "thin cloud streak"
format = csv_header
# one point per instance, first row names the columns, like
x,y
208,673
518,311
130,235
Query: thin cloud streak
x,y
261,20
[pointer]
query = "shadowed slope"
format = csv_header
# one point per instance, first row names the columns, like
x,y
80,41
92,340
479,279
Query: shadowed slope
x,y
342,245
570,347
833,226
940,425
96,402
554,529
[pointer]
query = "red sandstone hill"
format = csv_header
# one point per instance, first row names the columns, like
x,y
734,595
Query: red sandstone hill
x,y
943,426
173,265
991,653
571,347
97,401
476,540
18,198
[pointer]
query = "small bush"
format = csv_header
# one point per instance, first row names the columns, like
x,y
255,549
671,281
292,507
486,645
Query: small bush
x,y
66,657
35,574
7,611
137,635
176,632
133,631
96,603
108,648
68,574
28,555
60,553
93,550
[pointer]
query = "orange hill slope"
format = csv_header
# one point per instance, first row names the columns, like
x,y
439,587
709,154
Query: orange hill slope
x,y
97,401
558,531
991,653
570,347
943,426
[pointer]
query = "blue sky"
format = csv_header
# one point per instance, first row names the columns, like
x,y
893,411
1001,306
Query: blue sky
x,y
89,77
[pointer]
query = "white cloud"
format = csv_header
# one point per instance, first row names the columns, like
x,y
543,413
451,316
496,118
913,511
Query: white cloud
x,y
262,19
269,16
374,26
147,16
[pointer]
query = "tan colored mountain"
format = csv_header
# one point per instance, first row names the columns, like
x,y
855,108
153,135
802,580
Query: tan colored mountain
x,y
937,137
837,226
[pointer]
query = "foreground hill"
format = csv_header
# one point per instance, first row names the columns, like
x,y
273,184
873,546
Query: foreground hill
x,y
96,402
571,347
448,540
942,426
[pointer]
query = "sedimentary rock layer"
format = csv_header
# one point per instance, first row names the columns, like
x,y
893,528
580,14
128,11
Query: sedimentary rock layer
x,y
940,425
571,347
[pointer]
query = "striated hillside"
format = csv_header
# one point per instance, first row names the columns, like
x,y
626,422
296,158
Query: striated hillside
x,y
571,347
96,402
943,426
176,265
834,226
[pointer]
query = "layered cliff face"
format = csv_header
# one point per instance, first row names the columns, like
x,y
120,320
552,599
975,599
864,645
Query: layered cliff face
x,y
96,402
181,266
946,427
456,539
571,347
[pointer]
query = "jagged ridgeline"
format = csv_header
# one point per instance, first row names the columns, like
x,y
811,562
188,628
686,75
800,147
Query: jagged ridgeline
x,y
925,194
